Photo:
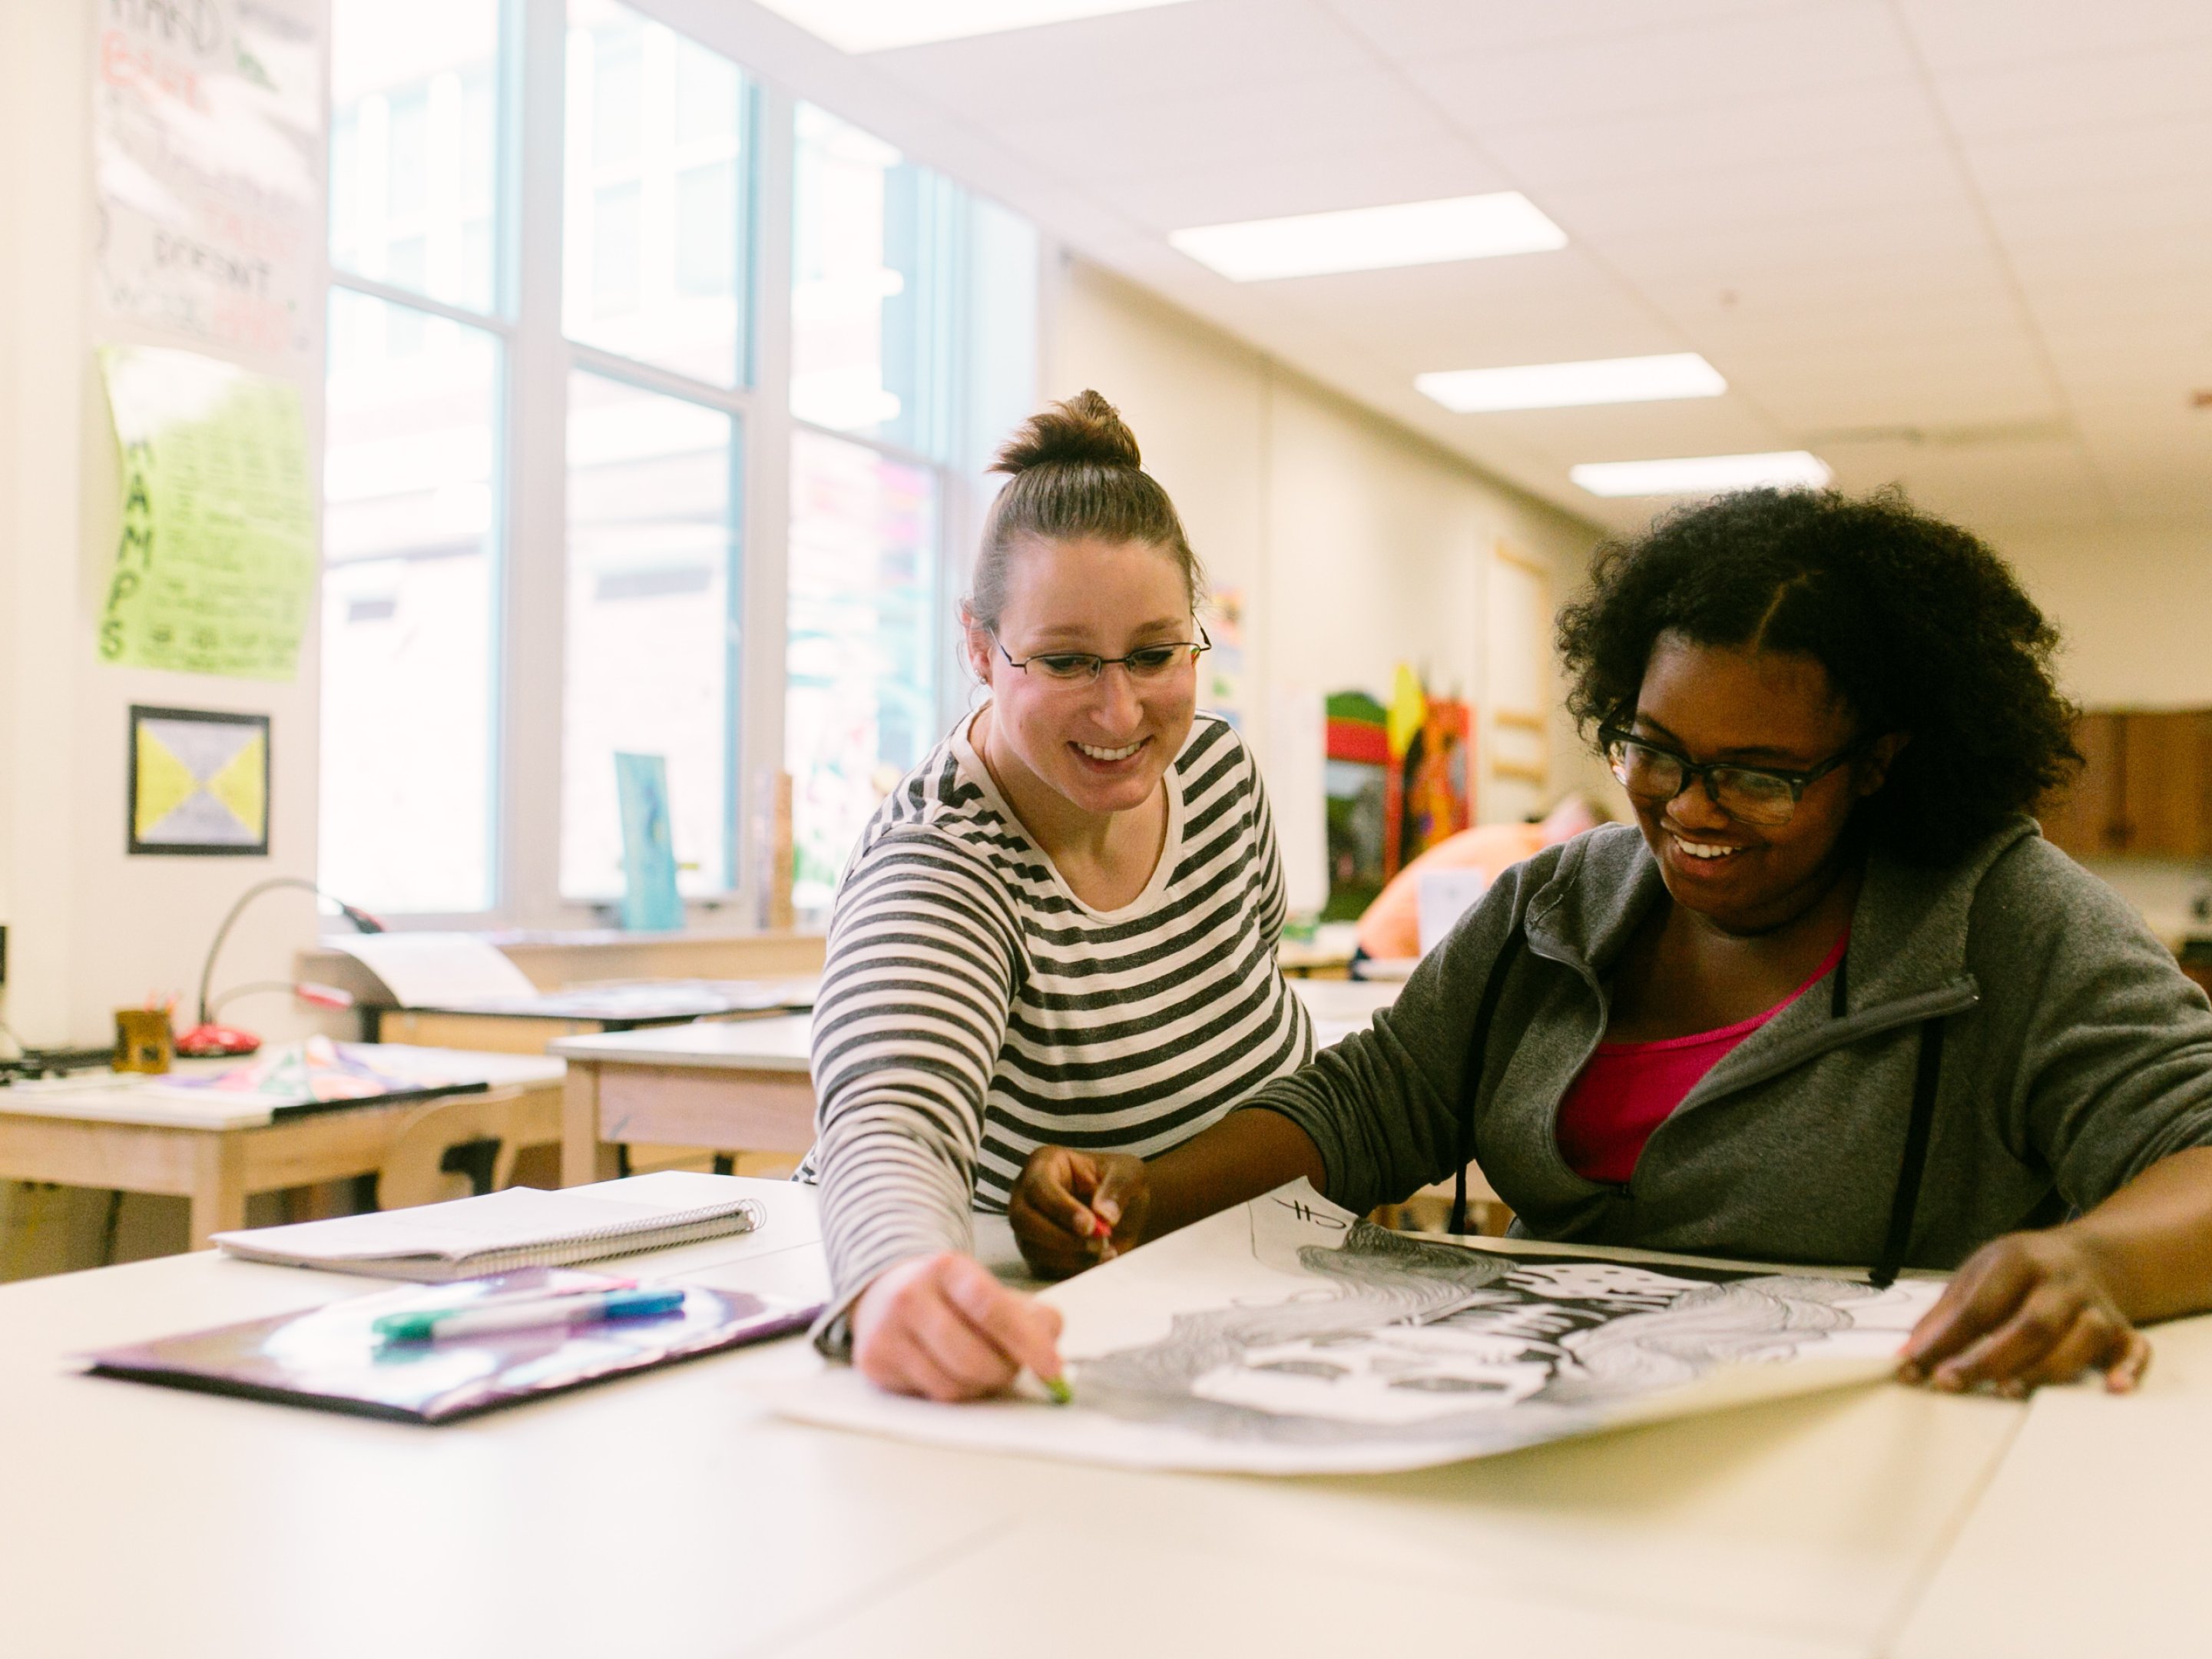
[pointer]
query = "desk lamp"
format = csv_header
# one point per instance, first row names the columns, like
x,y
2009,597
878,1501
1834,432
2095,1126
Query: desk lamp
x,y
207,1038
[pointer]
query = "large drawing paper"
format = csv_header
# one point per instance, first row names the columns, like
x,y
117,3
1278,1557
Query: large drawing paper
x,y
1288,1337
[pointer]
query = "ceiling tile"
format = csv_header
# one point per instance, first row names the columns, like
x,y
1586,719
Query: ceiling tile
x,y
1154,55
1249,125
1960,33
1358,175
2076,90
1424,29
1894,118
1776,50
2092,158
1755,194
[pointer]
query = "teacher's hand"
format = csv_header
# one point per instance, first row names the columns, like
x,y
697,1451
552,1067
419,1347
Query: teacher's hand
x,y
1072,1210
941,1327
2026,1309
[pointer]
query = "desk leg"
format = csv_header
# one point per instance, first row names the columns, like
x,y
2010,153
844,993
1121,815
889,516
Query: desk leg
x,y
584,1158
218,1187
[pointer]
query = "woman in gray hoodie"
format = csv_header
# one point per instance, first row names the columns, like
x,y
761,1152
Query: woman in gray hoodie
x,y
1831,1000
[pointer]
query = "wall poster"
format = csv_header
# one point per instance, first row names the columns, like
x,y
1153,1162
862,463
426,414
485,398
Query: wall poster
x,y
216,562
208,164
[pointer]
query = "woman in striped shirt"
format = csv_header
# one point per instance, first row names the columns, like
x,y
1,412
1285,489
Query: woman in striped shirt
x,y
1060,927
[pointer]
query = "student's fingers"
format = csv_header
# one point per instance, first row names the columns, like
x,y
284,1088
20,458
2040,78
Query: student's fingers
x,y
893,1360
975,1363
1018,1327
1056,1185
1122,1193
2098,1340
2013,1348
1980,1297
2125,1375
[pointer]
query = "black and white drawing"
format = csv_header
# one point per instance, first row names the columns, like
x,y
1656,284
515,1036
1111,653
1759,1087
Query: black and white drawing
x,y
1287,1336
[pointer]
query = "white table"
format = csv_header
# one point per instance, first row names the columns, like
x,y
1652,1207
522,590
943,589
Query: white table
x,y
726,1086
138,1135
668,1513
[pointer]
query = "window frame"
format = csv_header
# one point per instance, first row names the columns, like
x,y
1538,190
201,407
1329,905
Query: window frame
x,y
529,550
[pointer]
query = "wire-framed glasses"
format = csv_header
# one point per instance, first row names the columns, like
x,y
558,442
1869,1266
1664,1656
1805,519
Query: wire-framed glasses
x,y
1147,662
1753,794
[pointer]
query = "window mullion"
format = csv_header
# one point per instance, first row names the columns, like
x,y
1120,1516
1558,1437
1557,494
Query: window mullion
x,y
534,593
767,506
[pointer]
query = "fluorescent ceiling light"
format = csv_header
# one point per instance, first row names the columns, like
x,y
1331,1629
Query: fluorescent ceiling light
x,y
1703,475
880,25
1566,386
1373,239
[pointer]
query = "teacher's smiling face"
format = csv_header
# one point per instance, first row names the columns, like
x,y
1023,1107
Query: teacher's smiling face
x,y
1101,744
1765,713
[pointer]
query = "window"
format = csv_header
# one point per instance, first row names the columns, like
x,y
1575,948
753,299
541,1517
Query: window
x,y
414,462
860,702
541,546
653,644
899,279
409,553
655,195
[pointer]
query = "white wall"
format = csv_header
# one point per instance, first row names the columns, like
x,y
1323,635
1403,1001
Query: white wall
x,y
2135,606
1358,544
89,928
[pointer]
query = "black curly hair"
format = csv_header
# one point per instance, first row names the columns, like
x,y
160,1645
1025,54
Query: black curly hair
x,y
1921,628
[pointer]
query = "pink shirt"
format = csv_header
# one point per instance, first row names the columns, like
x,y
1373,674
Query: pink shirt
x,y
1629,1088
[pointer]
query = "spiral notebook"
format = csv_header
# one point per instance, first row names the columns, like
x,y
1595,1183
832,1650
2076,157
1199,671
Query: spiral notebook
x,y
521,1227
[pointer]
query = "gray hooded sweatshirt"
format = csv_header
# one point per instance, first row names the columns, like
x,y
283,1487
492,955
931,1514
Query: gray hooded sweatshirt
x,y
2076,1054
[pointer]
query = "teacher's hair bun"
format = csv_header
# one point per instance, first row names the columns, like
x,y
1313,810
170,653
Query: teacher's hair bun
x,y
1084,431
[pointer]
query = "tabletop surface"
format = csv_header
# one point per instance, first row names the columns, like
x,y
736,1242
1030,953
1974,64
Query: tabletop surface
x,y
110,1097
778,1043
1873,1521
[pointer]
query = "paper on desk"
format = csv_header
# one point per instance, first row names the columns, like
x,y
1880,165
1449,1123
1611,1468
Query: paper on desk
x,y
436,970
1288,1337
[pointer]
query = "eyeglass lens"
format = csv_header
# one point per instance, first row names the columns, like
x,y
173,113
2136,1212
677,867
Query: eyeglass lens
x,y
1655,775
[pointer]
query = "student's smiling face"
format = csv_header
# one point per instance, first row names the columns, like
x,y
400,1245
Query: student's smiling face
x,y
1760,709
1102,744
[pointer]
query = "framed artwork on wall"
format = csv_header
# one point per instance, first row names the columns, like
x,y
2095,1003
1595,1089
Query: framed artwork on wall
x,y
199,782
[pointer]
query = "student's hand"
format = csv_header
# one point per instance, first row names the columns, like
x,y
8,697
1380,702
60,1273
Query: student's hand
x,y
941,1327
2026,1309
1072,1210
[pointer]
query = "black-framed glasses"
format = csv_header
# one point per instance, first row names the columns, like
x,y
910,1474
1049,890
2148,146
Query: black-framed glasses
x,y
1147,662
1754,795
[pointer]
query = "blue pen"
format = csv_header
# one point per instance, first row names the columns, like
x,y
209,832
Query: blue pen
x,y
440,1325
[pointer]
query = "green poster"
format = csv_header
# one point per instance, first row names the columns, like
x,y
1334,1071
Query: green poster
x,y
216,565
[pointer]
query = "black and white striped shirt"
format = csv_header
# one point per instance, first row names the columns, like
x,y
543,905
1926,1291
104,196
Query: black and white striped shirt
x,y
973,1008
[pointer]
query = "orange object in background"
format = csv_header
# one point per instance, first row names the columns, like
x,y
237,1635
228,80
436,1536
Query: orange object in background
x,y
1391,928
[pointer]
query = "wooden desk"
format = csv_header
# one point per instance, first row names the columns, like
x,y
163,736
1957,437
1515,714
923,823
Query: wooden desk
x,y
727,1086
215,1149
745,1084
1852,1525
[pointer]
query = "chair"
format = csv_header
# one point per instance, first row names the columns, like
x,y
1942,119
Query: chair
x,y
464,1146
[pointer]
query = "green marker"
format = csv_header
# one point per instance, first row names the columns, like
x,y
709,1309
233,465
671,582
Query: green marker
x,y
1058,1389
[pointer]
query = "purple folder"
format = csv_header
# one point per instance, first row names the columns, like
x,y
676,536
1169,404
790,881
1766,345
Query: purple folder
x,y
328,1356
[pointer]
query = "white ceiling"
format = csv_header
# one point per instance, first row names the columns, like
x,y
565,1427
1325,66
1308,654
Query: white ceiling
x,y
1962,244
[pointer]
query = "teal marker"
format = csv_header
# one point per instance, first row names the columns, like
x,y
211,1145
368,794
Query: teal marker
x,y
445,1324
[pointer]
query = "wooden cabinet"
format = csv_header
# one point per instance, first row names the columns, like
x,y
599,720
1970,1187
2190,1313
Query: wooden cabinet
x,y
2144,790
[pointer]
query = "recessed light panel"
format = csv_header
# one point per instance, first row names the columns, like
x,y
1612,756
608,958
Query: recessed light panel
x,y
879,25
1566,386
1373,239
1703,475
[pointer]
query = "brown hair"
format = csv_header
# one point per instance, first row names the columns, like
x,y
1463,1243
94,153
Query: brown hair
x,y
1075,471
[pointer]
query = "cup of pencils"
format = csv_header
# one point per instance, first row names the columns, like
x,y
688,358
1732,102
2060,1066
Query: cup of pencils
x,y
143,1040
